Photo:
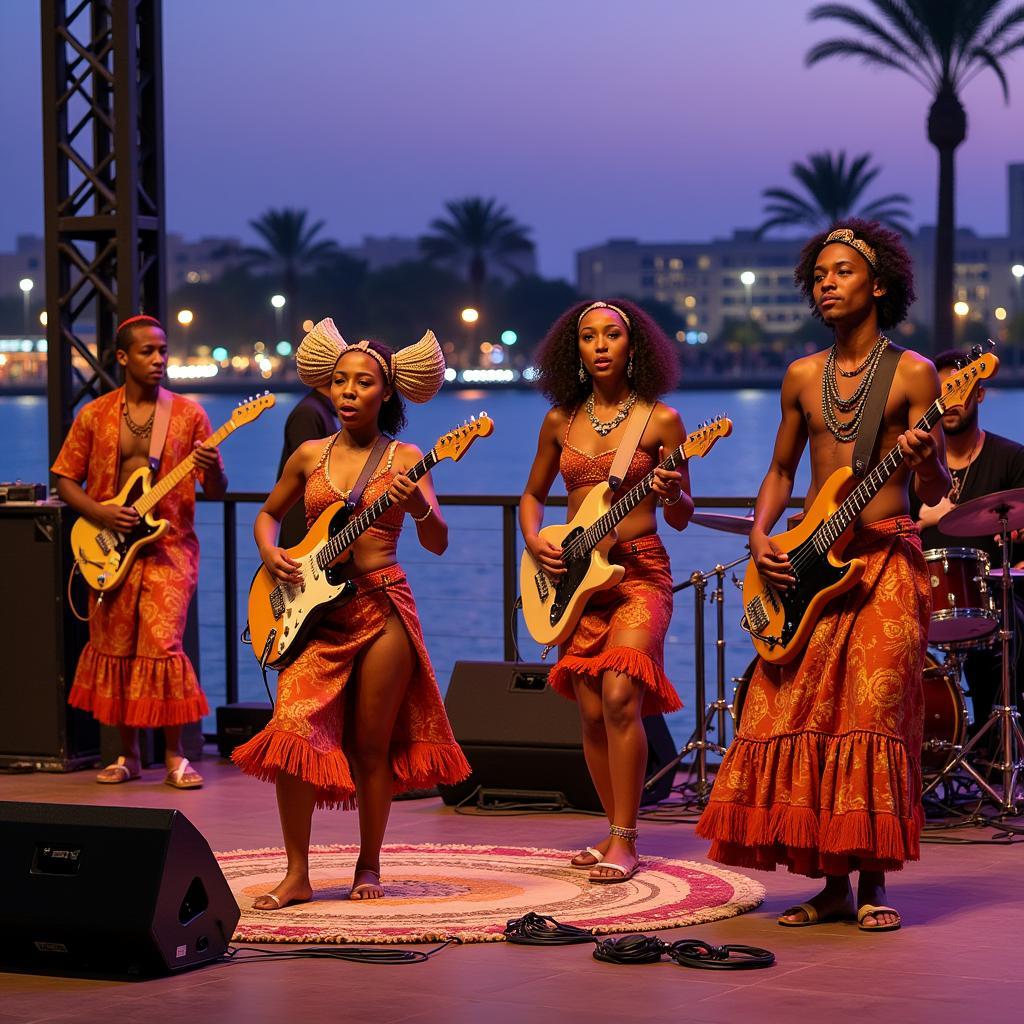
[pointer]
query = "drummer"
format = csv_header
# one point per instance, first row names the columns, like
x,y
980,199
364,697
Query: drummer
x,y
979,463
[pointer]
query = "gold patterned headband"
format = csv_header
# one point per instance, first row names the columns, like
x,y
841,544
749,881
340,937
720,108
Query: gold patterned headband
x,y
847,237
602,305
417,371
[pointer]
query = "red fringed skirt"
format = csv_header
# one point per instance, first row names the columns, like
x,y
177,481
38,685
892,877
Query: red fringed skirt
x,y
824,776
623,629
306,736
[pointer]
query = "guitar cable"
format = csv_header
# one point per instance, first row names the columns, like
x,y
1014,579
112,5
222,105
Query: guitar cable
x,y
71,599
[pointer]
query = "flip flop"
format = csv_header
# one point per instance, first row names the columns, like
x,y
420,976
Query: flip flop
x,y
812,915
125,774
176,777
870,911
596,854
625,874
280,905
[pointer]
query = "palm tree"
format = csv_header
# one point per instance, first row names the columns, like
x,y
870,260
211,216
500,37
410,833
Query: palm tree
x,y
291,248
833,192
943,45
476,231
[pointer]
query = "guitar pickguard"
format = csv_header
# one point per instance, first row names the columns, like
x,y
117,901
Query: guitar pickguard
x,y
575,572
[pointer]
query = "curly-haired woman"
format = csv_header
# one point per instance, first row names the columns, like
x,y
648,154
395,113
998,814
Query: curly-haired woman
x,y
601,365
824,776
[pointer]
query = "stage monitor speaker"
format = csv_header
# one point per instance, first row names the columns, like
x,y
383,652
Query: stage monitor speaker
x,y
524,741
42,643
123,891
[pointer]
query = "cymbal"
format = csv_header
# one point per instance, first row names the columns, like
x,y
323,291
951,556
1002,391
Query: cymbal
x,y
981,515
997,574
728,524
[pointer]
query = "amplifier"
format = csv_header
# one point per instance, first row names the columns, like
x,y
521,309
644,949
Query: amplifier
x,y
238,723
21,492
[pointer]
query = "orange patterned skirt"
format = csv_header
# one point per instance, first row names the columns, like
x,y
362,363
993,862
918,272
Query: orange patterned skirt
x,y
824,776
306,736
133,670
623,629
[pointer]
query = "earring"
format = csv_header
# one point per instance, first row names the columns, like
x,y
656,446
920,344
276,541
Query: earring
x,y
629,366
583,373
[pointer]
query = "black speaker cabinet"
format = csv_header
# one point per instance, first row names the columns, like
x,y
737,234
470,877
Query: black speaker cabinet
x,y
126,891
524,742
42,643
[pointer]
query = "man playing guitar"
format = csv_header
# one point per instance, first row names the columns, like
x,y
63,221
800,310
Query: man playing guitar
x,y
824,774
133,672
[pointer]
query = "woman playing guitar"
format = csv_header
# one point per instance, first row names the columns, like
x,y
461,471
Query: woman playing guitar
x,y
601,364
362,692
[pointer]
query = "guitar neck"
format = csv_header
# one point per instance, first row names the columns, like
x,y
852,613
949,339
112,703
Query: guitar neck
x,y
600,528
348,535
187,465
840,520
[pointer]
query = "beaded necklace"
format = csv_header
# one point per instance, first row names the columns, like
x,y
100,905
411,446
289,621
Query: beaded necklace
x,y
604,427
832,402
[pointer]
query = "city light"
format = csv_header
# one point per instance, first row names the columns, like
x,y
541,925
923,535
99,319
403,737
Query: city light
x,y
747,278
691,300
470,315
450,374
26,284
278,301
192,372
1000,313
961,308
220,353
308,325
488,376
284,348
1017,270
509,337
43,318
185,317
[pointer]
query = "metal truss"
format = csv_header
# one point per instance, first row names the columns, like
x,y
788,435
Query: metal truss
x,y
103,188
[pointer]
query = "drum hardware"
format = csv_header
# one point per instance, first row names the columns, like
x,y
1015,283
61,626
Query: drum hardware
x,y
963,610
741,525
711,717
977,518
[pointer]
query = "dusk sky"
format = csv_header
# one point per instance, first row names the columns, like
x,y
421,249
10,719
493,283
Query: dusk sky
x,y
656,119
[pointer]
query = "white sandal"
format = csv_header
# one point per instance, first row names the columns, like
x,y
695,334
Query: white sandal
x,y
176,777
596,854
121,766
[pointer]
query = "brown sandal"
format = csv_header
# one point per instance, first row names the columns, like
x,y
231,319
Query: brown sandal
x,y
184,776
121,773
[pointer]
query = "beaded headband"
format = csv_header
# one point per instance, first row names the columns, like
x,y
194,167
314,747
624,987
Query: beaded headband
x,y
386,366
847,237
602,305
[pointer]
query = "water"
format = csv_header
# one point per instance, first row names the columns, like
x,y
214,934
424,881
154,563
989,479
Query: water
x,y
460,594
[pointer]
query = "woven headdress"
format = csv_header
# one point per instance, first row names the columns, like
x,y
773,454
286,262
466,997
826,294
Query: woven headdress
x,y
417,371
847,237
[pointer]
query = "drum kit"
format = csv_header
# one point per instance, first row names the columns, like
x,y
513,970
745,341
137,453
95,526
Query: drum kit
x,y
972,612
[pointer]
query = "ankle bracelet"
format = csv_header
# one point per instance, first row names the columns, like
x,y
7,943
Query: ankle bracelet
x,y
629,834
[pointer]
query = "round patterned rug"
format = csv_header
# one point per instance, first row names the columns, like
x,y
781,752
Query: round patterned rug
x,y
436,892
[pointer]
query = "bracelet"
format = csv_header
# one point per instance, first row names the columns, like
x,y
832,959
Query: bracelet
x,y
426,515
675,501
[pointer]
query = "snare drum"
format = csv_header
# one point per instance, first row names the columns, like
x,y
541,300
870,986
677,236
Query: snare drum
x,y
963,611
945,712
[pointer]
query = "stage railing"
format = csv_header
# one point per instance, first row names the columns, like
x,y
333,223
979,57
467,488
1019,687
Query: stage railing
x,y
507,503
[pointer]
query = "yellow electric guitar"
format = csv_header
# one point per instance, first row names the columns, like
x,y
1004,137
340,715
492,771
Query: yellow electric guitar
x,y
552,606
281,616
104,556
780,622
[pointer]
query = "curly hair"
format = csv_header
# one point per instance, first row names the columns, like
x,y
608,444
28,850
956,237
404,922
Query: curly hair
x,y
391,419
126,329
655,364
894,269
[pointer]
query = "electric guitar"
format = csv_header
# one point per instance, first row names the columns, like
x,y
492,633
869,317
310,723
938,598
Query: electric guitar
x,y
781,621
105,556
553,605
281,615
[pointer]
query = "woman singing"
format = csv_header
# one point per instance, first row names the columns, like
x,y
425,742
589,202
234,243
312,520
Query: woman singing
x,y
362,692
601,364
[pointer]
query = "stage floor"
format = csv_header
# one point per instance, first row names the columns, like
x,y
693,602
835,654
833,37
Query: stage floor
x,y
958,957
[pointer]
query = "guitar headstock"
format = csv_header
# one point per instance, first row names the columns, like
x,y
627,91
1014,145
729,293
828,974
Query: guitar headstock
x,y
248,410
455,443
957,389
700,441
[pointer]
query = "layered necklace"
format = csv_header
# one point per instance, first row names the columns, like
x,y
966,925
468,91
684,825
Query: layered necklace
x,y
959,481
832,404
139,429
604,427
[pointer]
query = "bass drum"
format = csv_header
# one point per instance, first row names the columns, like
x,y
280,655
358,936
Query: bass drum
x,y
945,712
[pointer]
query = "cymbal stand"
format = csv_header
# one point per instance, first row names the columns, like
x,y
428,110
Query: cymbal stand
x,y
1005,719
713,715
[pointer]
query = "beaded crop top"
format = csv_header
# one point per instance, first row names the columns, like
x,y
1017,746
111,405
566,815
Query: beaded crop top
x,y
321,493
579,469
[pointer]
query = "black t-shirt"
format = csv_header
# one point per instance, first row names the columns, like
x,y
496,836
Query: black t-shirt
x,y
999,466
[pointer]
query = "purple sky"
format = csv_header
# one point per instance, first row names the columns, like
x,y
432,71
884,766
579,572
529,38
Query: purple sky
x,y
659,119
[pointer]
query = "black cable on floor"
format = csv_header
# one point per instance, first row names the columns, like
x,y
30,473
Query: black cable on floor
x,y
386,955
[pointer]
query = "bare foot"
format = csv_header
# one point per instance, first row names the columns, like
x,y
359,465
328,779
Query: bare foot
x,y
366,885
833,903
617,851
288,891
585,859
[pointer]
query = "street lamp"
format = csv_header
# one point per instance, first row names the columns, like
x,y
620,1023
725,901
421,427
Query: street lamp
x,y
747,279
278,302
470,315
185,318
1018,279
26,284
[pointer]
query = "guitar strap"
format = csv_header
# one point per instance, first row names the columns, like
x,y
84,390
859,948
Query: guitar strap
x,y
627,446
371,464
161,421
867,435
